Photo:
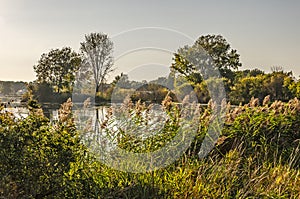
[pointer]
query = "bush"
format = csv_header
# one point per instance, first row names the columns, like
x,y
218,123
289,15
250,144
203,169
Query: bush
x,y
36,156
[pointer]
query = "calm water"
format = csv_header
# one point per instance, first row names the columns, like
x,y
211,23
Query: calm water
x,y
52,113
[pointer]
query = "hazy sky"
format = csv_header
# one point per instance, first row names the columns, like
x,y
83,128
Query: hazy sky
x,y
266,33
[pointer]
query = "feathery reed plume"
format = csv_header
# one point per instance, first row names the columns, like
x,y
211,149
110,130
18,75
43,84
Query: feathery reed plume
x,y
108,115
277,106
65,111
127,102
87,103
266,100
167,103
254,102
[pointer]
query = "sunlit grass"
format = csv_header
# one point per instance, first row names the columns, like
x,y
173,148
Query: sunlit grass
x,y
256,156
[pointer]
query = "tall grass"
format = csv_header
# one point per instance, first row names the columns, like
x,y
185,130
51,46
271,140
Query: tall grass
x,y
256,156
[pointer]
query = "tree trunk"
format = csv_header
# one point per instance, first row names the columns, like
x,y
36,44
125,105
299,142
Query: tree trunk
x,y
97,89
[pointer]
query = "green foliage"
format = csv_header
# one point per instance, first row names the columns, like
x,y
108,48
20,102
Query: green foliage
x,y
279,85
242,86
255,157
210,52
36,155
248,87
44,93
151,92
141,116
269,130
57,68
219,49
185,68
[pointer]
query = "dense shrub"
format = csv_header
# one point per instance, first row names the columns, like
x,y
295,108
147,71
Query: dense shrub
x,y
36,156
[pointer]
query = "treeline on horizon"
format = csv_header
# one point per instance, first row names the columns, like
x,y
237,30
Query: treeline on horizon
x,y
11,87
246,84
57,70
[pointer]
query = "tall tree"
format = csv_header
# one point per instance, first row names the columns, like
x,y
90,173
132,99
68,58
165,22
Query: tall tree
x,y
58,68
208,51
97,50
224,57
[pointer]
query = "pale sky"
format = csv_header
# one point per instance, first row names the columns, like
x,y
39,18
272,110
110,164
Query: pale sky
x,y
266,33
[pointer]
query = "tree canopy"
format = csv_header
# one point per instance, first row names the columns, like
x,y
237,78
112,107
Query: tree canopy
x,y
98,60
208,53
58,68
